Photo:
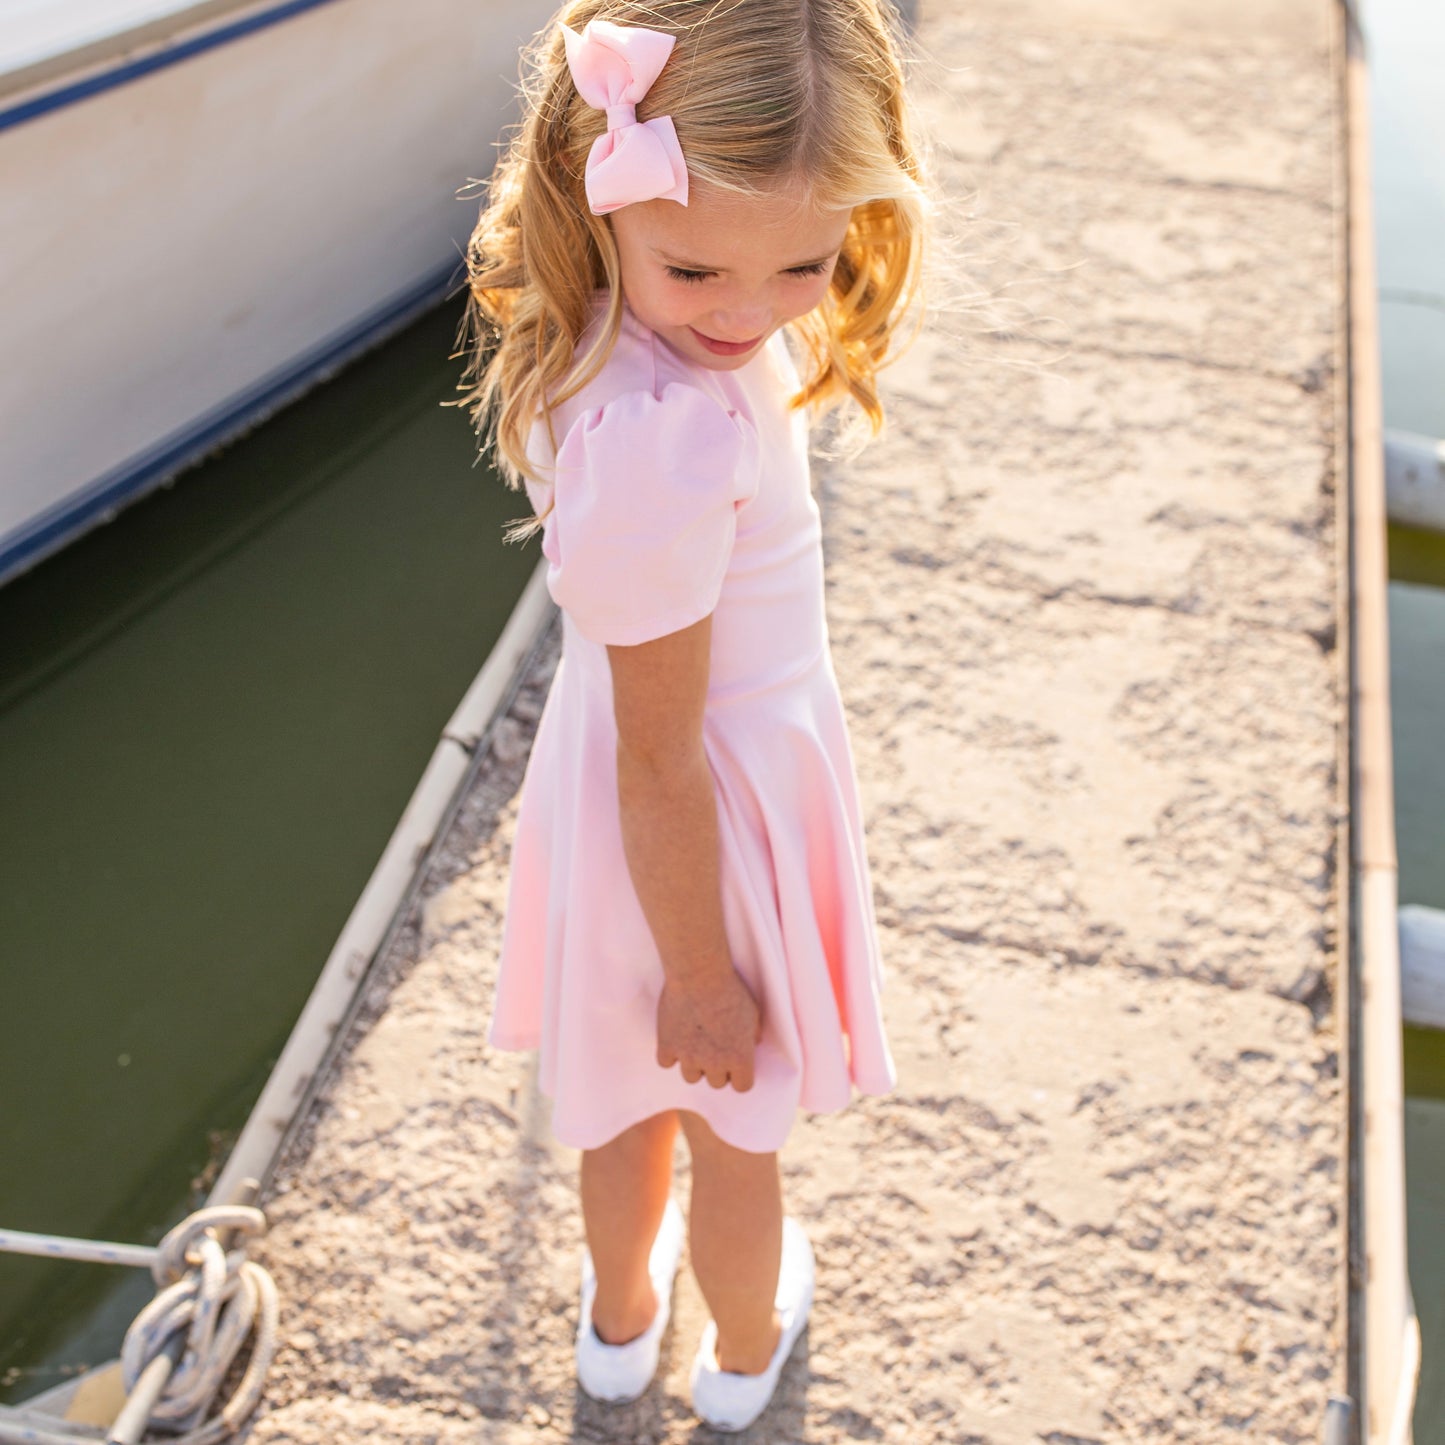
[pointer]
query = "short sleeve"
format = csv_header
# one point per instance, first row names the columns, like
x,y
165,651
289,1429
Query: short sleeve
x,y
645,497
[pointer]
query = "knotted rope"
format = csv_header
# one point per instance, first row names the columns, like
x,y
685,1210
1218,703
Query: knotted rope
x,y
209,1297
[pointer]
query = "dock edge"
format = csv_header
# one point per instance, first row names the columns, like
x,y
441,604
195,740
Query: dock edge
x,y
1383,1346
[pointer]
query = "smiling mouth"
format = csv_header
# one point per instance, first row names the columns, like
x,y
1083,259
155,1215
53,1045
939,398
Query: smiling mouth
x,y
724,348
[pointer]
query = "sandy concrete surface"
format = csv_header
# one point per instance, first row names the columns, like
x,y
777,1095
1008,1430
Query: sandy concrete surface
x,y
1083,609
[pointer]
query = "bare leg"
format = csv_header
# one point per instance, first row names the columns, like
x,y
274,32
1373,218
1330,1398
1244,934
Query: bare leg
x,y
736,1235
624,1189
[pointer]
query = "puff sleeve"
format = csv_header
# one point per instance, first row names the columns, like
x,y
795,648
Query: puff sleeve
x,y
645,495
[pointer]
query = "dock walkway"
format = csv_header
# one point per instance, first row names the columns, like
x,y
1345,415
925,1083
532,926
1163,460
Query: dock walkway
x,y
1084,603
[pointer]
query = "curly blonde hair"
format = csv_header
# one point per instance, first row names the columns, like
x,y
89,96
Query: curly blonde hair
x,y
760,92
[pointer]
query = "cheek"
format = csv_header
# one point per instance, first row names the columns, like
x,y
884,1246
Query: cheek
x,y
666,301
807,295
677,303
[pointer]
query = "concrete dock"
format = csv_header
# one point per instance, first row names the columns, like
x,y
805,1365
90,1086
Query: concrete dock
x,y
1084,603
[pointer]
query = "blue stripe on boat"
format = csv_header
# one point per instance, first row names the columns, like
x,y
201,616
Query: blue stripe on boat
x,y
68,518
127,71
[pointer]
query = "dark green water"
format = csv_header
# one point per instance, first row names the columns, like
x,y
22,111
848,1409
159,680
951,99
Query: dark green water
x,y
1417,689
1417,703
212,713
1417,692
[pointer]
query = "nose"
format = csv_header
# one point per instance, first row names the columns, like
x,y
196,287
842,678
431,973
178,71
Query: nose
x,y
742,323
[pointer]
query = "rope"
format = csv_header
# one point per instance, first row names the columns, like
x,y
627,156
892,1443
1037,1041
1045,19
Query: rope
x,y
213,1298
57,1246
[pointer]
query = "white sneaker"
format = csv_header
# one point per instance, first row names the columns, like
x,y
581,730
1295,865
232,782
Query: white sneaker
x,y
729,1401
618,1373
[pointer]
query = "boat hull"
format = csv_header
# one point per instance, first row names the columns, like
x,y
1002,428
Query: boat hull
x,y
1415,480
197,229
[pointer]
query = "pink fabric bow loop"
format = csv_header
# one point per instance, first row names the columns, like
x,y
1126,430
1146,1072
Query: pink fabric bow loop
x,y
613,67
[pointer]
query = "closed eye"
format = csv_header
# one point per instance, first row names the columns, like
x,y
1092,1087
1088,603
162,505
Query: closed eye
x,y
682,273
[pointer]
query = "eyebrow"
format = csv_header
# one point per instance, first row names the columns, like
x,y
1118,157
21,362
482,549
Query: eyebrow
x,y
699,266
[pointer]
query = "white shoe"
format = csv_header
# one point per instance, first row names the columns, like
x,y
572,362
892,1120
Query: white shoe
x,y
618,1373
729,1401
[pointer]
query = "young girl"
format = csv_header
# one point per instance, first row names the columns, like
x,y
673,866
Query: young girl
x,y
689,938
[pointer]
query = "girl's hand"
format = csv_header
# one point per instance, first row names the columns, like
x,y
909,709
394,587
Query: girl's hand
x,y
711,1029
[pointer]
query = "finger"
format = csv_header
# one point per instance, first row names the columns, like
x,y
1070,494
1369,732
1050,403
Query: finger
x,y
666,1058
743,1077
717,1077
691,1073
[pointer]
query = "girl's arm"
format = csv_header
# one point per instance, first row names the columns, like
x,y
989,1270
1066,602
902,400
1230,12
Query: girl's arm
x,y
707,1020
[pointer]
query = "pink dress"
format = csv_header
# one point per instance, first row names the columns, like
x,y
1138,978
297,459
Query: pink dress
x,y
682,492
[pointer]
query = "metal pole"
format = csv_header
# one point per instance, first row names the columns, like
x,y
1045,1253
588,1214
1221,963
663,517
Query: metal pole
x,y
1336,1429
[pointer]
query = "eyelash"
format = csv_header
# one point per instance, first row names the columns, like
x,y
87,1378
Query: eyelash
x,y
678,274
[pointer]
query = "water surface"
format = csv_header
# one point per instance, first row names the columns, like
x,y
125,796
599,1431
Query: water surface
x,y
212,713
1406,41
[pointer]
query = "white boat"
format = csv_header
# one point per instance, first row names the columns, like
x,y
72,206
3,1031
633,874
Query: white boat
x,y
1422,965
1415,480
205,207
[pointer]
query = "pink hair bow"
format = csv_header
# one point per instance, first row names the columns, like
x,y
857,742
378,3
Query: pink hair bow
x,y
613,67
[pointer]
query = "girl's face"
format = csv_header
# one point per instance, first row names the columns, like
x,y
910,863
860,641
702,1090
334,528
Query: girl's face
x,y
717,277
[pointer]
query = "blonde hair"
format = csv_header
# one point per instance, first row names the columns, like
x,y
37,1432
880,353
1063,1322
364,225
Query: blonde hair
x,y
760,92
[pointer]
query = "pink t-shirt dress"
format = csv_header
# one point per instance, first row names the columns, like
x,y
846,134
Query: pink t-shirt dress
x,y
681,492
